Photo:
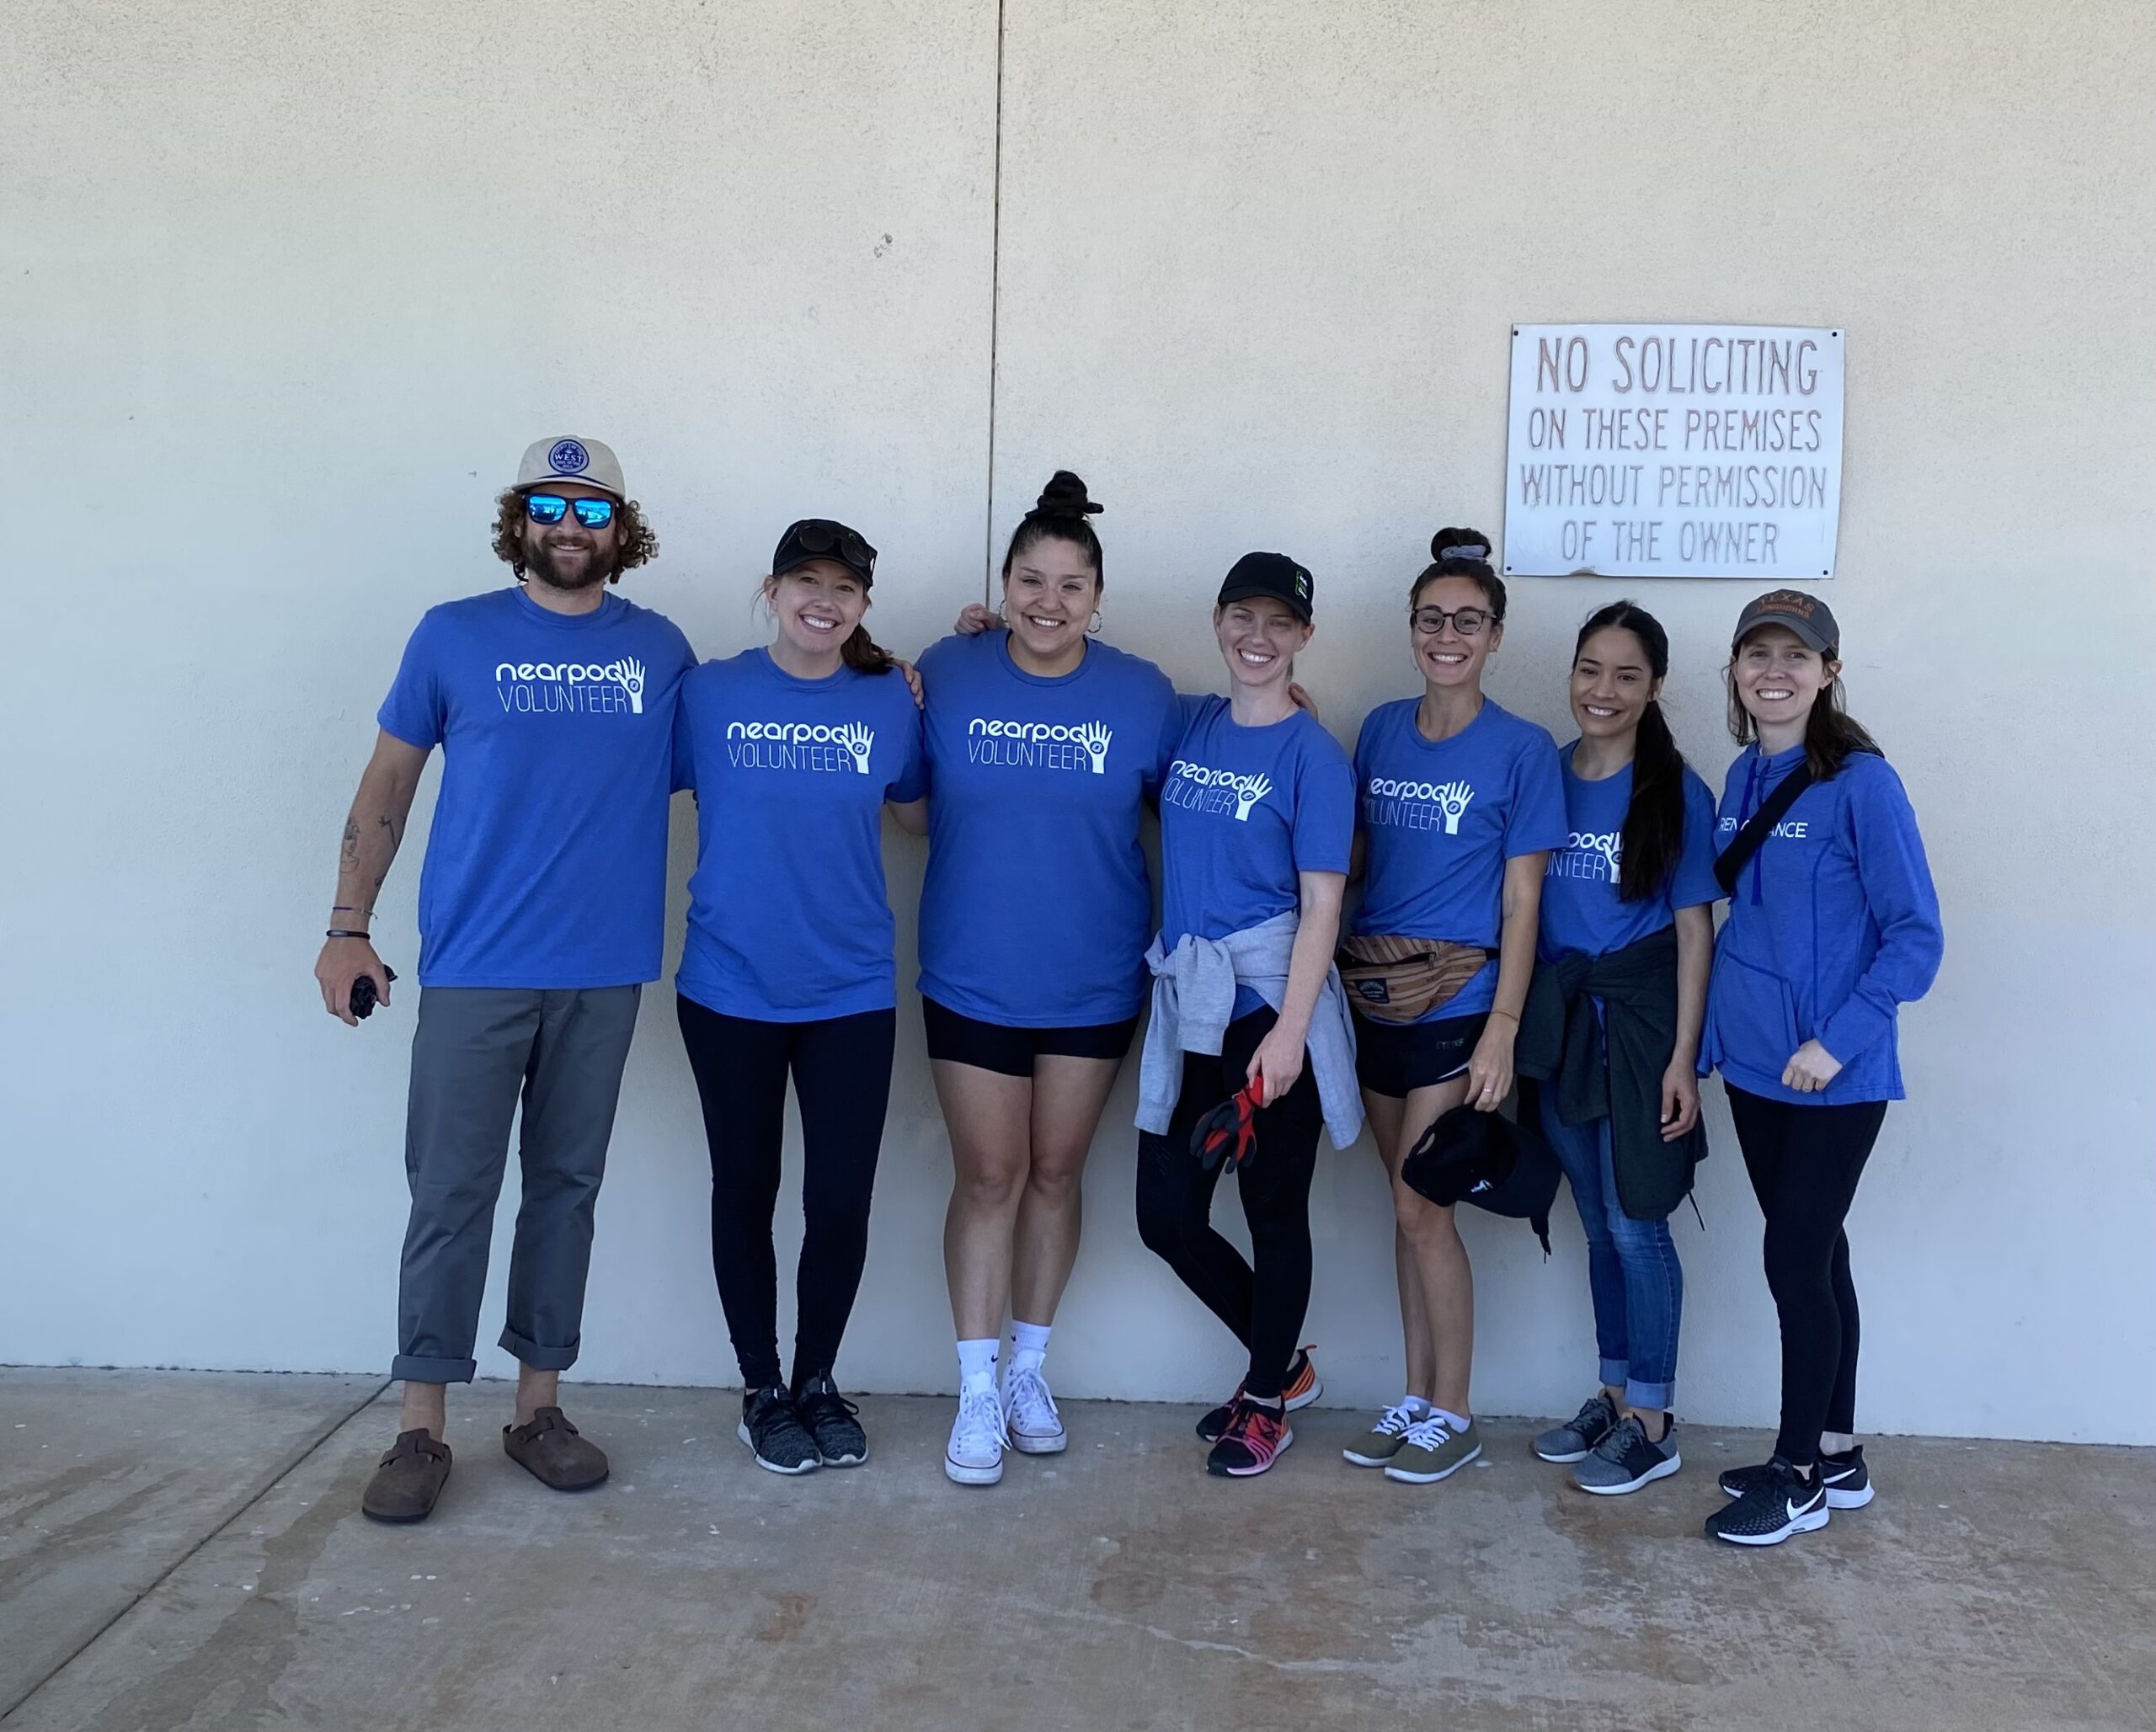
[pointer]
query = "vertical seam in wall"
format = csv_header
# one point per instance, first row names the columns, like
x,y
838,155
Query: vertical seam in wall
x,y
995,314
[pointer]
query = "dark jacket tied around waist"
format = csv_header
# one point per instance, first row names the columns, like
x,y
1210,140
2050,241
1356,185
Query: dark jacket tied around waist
x,y
1562,1045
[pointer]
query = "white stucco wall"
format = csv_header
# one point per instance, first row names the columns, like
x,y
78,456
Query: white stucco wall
x,y
278,308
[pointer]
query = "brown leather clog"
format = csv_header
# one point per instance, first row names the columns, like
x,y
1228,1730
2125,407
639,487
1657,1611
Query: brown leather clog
x,y
550,1449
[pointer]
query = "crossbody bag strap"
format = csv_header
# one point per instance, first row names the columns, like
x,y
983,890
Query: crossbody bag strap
x,y
1730,863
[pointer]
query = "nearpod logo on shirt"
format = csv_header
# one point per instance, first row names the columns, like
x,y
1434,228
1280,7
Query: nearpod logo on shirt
x,y
1039,745
1198,788
584,688
1597,856
822,747
1388,803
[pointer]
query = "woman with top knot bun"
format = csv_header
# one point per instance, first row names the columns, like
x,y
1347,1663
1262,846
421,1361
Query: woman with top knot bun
x,y
1044,745
1460,803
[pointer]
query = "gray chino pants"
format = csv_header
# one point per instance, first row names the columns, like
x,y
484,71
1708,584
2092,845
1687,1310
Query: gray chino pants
x,y
475,1051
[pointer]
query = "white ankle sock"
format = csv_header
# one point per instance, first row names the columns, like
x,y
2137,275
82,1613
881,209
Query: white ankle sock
x,y
1416,1405
1028,1345
1453,1422
977,1363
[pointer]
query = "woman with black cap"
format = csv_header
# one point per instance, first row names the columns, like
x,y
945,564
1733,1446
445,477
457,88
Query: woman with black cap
x,y
1249,1036
1833,925
1460,802
793,750
1611,1032
1044,743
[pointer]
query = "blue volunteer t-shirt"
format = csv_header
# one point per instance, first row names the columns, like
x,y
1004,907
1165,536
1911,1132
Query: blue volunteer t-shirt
x,y
1037,905
1244,810
1440,819
547,863
789,920
1581,909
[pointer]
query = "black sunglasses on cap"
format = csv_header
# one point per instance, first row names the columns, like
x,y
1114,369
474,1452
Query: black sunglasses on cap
x,y
822,538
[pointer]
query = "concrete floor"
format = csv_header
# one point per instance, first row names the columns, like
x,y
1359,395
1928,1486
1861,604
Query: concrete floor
x,y
186,1551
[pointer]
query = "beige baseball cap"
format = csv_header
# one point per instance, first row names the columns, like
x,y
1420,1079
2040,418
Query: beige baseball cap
x,y
565,458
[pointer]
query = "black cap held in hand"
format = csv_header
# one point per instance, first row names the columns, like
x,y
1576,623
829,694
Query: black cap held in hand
x,y
1064,496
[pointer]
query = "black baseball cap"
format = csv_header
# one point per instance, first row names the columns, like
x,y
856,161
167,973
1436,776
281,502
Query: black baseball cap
x,y
1806,615
1273,574
824,538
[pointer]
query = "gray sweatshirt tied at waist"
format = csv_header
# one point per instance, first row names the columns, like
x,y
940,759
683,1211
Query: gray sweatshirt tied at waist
x,y
1194,1000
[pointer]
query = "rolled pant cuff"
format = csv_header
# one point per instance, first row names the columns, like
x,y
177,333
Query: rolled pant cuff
x,y
418,1368
1651,1398
530,1353
1615,1373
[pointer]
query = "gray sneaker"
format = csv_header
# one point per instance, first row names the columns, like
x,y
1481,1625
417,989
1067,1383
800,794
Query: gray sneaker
x,y
1570,1441
1625,1460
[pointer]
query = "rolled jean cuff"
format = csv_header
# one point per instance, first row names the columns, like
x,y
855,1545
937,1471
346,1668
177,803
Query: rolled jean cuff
x,y
530,1353
1651,1397
418,1368
1615,1373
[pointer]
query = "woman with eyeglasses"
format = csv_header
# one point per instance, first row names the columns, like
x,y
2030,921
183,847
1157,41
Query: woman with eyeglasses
x,y
793,750
1044,745
1833,925
1612,1033
1461,801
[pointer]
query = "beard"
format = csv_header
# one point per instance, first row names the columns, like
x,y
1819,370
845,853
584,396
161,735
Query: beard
x,y
568,568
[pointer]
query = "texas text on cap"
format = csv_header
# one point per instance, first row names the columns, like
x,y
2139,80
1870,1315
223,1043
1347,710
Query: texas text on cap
x,y
1806,615
564,459
1273,574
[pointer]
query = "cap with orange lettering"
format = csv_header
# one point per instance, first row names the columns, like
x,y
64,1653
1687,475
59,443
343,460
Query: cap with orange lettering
x,y
1808,616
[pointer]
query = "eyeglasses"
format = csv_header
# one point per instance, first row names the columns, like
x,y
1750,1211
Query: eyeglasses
x,y
820,536
1468,622
553,508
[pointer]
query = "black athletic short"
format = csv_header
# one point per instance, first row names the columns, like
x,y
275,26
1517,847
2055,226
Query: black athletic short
x,y
992,1046
1392,1057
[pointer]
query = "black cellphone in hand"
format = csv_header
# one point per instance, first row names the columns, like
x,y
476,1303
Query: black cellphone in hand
x,y
363,993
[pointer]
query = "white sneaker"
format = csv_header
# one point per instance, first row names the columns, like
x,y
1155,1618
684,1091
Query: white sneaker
x,y
1029,1416
975,1454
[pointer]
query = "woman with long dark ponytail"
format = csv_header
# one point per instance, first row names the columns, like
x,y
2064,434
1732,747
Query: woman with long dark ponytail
x,y
1611,1032
1833,925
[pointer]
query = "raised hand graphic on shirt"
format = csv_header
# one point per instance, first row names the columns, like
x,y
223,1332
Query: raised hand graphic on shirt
x,y
1452,801
1095,738
633,683
1248,793
856,740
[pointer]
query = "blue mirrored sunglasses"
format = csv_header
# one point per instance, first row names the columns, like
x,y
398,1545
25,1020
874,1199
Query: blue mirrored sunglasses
x,y
553,508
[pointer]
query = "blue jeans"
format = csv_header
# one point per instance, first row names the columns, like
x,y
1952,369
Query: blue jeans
x,y
1632,1269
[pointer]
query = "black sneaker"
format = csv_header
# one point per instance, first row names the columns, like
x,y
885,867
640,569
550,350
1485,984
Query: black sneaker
x,y
770,1426
1848,1480
1775,1505
839,1441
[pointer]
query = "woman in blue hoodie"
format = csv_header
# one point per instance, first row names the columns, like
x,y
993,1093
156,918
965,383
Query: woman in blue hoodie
x,y
1833,924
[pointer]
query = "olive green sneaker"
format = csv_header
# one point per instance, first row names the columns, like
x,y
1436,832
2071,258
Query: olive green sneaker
x,y
1432,1451
1382,1441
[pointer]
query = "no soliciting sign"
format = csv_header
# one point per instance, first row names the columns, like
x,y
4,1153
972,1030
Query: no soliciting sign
x,y
1674,451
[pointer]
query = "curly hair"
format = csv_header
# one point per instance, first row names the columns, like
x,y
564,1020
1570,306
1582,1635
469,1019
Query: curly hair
x,y
638,544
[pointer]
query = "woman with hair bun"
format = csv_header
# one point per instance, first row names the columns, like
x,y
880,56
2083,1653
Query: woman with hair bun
x,y
1460,803
1833,925
1612,1031
1044,745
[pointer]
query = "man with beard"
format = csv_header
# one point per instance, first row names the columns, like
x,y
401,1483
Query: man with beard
x,y
541,912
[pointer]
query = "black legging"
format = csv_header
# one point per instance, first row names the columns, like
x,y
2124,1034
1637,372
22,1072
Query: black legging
x,y
841,1071
1264,1307
1805,1162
